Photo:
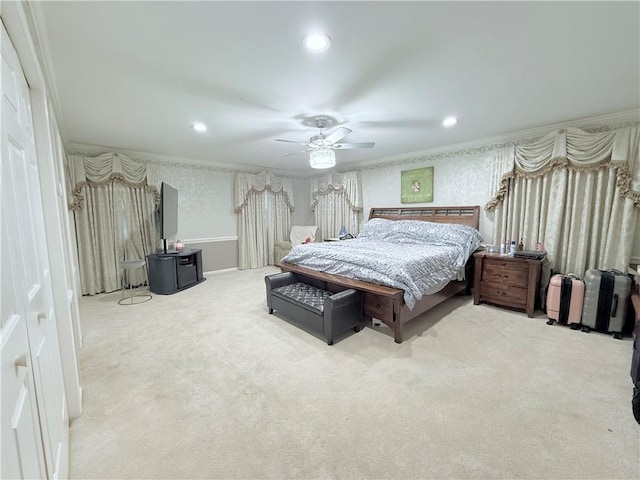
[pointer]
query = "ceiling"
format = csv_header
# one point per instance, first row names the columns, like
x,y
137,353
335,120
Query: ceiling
x,y
137,75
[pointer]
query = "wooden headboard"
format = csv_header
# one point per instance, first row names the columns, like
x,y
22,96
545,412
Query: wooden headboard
x,y
465,215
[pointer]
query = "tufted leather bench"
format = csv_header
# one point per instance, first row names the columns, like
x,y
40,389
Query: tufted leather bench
x,y
312,306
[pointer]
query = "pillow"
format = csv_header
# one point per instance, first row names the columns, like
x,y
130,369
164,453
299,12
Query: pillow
x,y
416,231
300,233
376,228
421,232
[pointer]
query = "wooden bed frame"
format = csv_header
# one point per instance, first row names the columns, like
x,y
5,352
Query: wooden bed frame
x,y
387,303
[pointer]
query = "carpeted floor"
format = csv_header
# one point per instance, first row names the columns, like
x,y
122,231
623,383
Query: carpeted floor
x,y
206,384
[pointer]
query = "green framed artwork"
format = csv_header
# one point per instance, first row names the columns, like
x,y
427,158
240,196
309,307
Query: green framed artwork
x,y
417,185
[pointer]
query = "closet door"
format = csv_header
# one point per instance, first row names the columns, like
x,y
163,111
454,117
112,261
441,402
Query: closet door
x,y
25,264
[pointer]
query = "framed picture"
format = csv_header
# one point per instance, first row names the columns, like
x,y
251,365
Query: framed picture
x,y
417,185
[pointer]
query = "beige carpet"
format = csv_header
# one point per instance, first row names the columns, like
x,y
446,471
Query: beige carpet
x,y
206,384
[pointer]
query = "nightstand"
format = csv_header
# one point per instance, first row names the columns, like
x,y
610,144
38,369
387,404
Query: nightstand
x,y
506,281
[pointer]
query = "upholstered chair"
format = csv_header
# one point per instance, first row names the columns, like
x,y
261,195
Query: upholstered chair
x,y
297,236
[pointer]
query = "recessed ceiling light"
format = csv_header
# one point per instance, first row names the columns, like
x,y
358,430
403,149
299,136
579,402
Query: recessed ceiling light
x,y
317,42
199,127
449,121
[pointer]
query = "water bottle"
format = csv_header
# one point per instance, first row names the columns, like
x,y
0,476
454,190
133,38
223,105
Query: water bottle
x,y
501,248
343,231
512,250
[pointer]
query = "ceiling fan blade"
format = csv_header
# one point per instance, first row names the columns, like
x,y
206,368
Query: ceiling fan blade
x,y
404,123
337,134
294,153
290,141
345,146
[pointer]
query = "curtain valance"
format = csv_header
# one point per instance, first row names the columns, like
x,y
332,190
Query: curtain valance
x,y
349,183
247,183
103,169
572,149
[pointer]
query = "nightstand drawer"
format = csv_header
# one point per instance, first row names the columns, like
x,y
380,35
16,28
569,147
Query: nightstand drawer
x,y
505,263
497,293
502,275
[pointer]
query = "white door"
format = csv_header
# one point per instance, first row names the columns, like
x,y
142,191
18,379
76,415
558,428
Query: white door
x,y
24,241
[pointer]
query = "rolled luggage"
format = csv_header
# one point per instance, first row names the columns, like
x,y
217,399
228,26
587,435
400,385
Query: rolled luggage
x,y
635,360
605,301
564,300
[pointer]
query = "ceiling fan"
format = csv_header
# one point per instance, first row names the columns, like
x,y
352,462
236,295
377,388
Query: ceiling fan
x,y
322,147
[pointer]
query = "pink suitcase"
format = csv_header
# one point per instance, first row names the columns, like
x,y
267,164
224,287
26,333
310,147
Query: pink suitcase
x,y
564,300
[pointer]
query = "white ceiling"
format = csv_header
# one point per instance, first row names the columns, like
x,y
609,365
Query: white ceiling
x,y
136,75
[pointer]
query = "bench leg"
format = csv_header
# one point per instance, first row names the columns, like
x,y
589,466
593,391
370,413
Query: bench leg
x,y
270,310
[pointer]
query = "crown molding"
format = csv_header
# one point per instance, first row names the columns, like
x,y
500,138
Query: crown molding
x,y
168,160
600,123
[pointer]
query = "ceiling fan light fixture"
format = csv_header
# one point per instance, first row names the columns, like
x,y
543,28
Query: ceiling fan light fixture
x,y
322,157
199,127
317,42
449,121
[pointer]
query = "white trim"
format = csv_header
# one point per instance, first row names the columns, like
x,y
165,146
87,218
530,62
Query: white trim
x,y
171,161
473,147
213,272
40,38
483,145
17,19
209,240
152,157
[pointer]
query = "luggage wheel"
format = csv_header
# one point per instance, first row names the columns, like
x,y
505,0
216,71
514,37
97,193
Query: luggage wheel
x,y
617,335
585,329
550,322
574,326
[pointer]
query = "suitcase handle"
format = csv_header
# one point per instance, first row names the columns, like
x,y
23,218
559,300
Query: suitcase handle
x,y
614,307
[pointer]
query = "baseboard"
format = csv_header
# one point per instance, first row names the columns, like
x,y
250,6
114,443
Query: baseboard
x,y
213,272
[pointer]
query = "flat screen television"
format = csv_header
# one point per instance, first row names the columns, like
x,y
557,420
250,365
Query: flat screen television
x,y
168,213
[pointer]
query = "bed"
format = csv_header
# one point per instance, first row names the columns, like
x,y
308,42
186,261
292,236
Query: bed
x,y
391,304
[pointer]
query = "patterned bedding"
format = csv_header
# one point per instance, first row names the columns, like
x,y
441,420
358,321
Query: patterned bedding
x,y
415,256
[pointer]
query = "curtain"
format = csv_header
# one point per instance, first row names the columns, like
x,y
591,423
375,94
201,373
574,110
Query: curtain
x,y
575,191
264,204
114,211
336,201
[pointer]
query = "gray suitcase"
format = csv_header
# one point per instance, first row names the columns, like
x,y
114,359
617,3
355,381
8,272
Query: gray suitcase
x,y
606,294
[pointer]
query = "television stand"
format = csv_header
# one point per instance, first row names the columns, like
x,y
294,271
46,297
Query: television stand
x,y
172,272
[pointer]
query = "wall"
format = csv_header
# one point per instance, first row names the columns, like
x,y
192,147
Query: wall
x,y
206,216
461,177
206,219
462,173
456,181
302,215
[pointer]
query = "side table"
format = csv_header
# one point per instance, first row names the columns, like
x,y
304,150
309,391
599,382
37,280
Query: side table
x,y
506,281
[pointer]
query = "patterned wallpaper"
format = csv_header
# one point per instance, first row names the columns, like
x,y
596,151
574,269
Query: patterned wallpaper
x,y
205,201
456,181
461,177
